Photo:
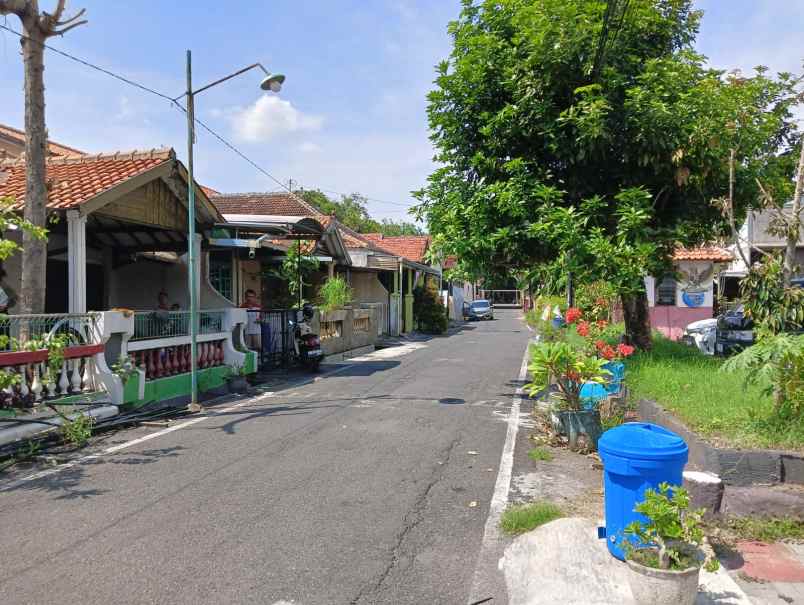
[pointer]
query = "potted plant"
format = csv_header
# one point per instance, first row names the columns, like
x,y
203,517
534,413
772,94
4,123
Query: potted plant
x,y
664,553
569,368
237,379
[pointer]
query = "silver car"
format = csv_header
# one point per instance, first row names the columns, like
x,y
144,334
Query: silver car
x,y
479,309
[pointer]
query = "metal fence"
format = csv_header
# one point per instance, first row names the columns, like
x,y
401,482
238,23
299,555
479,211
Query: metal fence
x,y
270,332
18,331
167,324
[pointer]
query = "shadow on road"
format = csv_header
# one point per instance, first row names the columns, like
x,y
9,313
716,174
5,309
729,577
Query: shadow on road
x,y
65,484
367,368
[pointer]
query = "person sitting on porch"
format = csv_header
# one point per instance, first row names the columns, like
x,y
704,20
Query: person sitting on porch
x,y
252,305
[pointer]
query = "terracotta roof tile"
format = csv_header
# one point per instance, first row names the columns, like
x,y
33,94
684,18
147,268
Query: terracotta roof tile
x,y
710,253
411,247
18,136
73,180
277,204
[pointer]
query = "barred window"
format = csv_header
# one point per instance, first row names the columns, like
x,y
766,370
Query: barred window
x,y
220,273
666,292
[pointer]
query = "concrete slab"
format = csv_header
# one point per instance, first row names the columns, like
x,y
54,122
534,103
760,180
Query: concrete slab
x,y
770,562
564,562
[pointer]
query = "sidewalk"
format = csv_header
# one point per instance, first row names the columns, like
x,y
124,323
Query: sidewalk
x,y
770,574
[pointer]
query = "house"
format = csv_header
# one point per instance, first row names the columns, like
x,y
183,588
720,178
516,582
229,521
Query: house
x,y
676,300
381,271
119,241
456,292
754,235
12,145
414,270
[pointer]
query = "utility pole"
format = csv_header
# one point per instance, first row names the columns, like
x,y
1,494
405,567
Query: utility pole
x,y
37,27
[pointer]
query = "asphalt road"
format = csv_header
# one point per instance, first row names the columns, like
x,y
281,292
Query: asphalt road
x,y
357,488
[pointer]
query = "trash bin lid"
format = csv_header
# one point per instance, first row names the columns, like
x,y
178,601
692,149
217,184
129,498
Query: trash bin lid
x,y
642,440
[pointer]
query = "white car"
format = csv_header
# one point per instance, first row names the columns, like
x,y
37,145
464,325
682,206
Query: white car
x,y
702,334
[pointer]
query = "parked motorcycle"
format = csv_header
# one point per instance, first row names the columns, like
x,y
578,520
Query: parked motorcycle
x,y
306,344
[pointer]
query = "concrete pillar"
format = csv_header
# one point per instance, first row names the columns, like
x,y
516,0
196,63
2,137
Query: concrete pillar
x,y
77,262
409,304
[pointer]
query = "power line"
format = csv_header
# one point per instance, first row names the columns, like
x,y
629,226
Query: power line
x,y
88,64
174,103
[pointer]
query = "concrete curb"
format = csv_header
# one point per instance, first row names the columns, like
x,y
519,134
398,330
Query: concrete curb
x,y
734,466
20,432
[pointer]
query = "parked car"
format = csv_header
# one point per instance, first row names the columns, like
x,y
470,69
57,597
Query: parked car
x,y
702,334
479,309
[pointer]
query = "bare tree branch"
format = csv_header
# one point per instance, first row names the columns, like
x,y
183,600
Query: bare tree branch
x,y
63,22
64,30
47,21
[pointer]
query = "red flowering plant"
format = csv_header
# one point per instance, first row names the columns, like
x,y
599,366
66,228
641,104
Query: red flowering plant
x,y
598,338
569,367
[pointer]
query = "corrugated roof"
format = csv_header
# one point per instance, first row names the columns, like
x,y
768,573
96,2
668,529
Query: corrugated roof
x,y
76,179
710,253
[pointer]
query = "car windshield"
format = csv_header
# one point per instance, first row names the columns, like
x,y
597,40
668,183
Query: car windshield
x,y
480,304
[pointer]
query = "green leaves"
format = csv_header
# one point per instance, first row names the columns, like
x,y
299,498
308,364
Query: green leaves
x,y
671,527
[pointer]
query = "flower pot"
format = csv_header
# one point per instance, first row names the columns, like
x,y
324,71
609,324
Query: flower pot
x,y
581,422
651,586
238,384
615,383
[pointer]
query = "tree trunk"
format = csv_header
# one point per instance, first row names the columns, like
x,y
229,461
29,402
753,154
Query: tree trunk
x,y
794,228
637,320
34,251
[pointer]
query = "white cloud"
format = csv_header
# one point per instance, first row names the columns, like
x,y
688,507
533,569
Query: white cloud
x,y
268,117
308,147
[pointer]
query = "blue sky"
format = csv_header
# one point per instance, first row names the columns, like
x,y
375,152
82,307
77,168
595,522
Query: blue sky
x,y
351,116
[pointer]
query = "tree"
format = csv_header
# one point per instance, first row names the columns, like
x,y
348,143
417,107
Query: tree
x,y
37,27
576,105
351,211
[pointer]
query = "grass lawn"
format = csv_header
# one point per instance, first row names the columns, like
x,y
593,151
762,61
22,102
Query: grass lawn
x,y
713,403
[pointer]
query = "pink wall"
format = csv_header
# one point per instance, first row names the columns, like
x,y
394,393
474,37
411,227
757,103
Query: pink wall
x,y
671,321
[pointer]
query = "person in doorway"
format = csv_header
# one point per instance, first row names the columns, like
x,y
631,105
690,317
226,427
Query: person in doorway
x,y
162,301
253,328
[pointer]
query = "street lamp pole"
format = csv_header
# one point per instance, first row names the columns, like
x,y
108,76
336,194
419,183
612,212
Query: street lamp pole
x,y
272,82
191,268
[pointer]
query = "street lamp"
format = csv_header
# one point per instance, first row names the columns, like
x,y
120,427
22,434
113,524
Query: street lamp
x,y
271,82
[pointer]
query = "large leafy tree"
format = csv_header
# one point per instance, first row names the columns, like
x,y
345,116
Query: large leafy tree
x,y
587,136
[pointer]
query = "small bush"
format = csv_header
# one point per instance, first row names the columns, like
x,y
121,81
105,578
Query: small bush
x,y
428,310
78,430
334,294
539,454
521,518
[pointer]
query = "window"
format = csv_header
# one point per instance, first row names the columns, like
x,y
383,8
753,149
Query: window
x,y
666,292
220,273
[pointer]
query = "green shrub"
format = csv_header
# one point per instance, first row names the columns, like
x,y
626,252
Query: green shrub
x,y
77,430
334,294
430,314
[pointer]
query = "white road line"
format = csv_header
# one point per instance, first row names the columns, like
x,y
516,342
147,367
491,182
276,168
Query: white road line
x,y
122,446
499,499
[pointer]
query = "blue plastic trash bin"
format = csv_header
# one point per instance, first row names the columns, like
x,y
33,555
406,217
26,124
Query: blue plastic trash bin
x,y
636,456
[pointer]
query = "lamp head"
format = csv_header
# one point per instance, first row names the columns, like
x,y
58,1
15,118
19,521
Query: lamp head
x,y
272,82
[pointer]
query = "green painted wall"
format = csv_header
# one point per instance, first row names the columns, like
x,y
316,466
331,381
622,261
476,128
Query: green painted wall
x,y
250,365
178,386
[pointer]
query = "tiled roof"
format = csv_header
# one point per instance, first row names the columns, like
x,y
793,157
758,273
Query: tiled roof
x,y
270,204
76,179
449,262
18,136
710,253
411,247
209,191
